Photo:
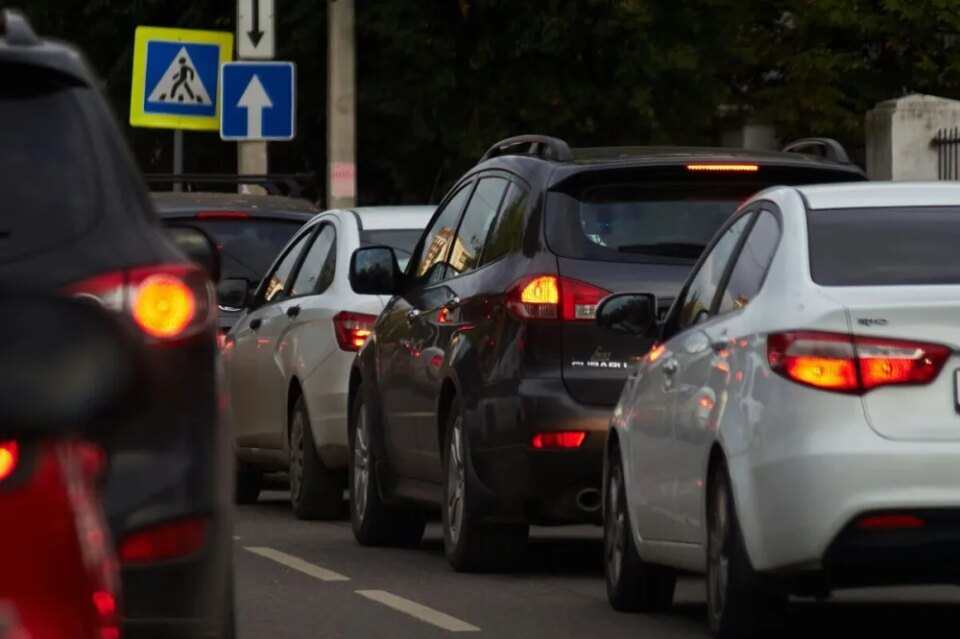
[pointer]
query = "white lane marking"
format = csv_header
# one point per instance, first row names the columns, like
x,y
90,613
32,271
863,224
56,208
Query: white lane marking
x,y
296,563
418,611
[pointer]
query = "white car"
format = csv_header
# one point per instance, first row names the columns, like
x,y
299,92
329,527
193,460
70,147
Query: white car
x,y
797,427
288,357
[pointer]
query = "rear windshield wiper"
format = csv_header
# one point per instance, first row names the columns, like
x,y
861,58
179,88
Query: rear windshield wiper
x,y
670,249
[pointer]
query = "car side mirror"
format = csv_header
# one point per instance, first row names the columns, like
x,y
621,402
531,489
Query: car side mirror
x,y
72,369
198,247
374,270
630,313
234,292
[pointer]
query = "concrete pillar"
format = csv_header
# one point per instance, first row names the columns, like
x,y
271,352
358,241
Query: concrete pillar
x,y
900,133
341,105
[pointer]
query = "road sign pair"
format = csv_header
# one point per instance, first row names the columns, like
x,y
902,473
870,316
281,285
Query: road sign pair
x,y
184,79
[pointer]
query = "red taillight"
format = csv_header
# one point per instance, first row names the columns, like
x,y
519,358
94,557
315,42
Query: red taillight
x,y
9,455
852,363
353,329
166,302
548,297
890,522
222,215
564,439
107,614
164,542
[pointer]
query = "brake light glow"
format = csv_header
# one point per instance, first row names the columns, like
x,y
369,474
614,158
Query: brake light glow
x,y
548,297
890,522
852,363
166,541
353,329
163,306
9,456
165,301
222,215
723,167
562,440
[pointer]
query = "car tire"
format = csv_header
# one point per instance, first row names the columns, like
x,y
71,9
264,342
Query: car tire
x,y
633,585
316,492
471,545
374,522
738,604
248,486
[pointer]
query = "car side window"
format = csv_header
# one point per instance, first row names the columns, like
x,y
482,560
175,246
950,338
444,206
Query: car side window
x,y
698,300
476,222
431,265
319,264
752,263
276,282
508,227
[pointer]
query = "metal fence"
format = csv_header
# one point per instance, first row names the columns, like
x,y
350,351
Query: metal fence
x,y
947,142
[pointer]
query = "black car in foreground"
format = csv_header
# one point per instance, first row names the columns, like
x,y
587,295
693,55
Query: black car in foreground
x,y
249,231
486,387
77,222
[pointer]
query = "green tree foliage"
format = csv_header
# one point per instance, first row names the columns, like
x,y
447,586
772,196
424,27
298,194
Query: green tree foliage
x,y
441,80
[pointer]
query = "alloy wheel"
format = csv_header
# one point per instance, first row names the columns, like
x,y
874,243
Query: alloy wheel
x,y
455,481
718,573
614,536
296,458
361,463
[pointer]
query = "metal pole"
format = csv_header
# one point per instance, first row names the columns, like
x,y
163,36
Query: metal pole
x,y
177,158
341,105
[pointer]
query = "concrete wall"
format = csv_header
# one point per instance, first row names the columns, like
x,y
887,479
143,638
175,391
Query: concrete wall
x,y
899,135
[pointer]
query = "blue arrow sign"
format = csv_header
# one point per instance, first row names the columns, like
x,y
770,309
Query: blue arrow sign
x,y
258,101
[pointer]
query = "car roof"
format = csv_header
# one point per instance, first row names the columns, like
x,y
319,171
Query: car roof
x,y
374,218
880,194
172,204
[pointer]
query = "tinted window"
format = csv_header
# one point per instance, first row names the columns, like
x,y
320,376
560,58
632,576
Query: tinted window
x,y
703,288
49,179
402,241
747,275
508,228
884,246
247,247
319,265
477,219
277,282
660,214
439,238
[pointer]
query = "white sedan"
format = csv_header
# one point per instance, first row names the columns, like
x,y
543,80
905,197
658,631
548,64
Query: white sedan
x,y
797,427
287,359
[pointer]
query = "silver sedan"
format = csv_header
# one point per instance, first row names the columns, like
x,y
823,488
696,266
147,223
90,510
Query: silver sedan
x,y
796,429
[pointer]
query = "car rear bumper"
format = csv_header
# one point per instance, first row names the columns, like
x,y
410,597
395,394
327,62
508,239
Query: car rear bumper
x,y
520,483
796,510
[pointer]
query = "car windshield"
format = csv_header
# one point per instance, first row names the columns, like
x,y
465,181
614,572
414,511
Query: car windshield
x,y
884,246
402,241
247,246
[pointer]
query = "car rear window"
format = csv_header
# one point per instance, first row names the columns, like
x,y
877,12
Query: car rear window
x,y
884,246
48,180
661,214
247,247
402,241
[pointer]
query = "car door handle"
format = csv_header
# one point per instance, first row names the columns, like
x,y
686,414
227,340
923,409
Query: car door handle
x,y
413,314
255,323
293,311
670,367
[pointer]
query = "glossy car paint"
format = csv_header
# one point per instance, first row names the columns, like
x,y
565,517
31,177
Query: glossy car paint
x,y
804,463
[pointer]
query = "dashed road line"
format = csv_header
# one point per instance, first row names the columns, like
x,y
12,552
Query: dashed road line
x,y
418,611
317,572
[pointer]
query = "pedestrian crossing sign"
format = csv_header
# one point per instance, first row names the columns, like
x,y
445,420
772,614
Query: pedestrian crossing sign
x,y
175,78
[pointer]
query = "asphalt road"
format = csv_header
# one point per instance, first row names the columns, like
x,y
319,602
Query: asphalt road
x,y
310,579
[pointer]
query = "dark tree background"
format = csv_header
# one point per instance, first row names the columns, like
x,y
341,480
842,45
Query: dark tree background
x,y
440,80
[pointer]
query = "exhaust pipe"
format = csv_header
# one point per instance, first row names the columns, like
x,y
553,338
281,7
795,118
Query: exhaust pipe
x,y
589,500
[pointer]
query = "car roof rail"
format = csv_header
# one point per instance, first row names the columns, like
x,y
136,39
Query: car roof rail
x,y
16,30
296,185
541,146
830,148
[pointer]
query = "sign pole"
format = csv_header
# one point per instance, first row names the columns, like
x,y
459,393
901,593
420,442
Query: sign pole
x,y
178,158
341,105
255,41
